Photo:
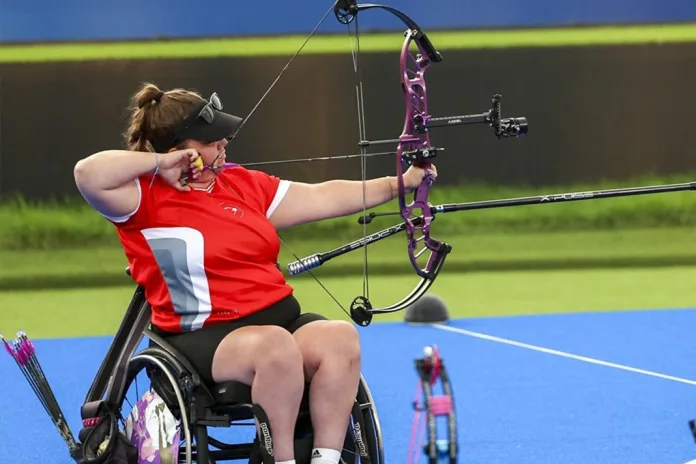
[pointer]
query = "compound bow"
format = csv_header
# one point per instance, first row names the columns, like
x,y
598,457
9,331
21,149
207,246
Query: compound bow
x,y
414,147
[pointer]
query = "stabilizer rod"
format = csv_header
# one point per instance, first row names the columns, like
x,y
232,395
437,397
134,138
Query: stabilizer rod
x,y
547,199
564,197
316,260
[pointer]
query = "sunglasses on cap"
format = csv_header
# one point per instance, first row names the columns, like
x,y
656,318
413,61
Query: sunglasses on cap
x,y
207,124
207,113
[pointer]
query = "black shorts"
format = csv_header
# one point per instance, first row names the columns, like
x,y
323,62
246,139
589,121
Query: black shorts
x,y
199,346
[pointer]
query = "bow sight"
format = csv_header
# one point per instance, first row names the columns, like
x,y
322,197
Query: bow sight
x,y
502,128
508,127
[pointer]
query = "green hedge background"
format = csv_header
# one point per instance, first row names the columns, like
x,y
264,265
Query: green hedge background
x,y
72,223
67,244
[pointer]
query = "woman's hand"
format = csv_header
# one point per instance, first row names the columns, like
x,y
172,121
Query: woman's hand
x,y
173,165
414,176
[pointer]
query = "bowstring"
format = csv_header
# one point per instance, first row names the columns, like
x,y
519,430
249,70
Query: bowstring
x,y
297,258
263,97
285,68
362,133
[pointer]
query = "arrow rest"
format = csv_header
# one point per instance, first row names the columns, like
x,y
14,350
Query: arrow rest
x,y
360,311
426,154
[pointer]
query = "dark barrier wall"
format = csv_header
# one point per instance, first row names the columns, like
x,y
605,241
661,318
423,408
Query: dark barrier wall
x,y
595,113
69,20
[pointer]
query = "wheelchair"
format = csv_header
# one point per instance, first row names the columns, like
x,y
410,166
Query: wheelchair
x,y
199,407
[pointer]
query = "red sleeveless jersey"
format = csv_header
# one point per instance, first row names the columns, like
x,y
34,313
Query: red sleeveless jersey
x,y
206,256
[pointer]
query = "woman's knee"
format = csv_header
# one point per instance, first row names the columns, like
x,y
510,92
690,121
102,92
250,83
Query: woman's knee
x,y
332,341
246,351
347,339
277,350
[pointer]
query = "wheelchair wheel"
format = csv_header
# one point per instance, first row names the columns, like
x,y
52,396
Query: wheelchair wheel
x,y
367,431
153,389
149,371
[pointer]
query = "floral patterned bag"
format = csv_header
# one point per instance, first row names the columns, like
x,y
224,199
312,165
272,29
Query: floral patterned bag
x,y
153,430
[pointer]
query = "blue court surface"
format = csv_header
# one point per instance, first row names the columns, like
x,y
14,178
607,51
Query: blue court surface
x,y
616,387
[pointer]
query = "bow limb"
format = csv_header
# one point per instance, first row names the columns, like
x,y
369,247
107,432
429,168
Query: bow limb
x,y
346,11
361,310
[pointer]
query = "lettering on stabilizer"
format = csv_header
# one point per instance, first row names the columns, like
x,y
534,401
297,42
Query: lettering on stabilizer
x,y
371,238
568,196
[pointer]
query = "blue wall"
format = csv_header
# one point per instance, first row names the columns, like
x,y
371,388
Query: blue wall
x,y
70,20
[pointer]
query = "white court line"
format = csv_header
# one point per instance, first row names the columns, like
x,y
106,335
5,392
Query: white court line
x,y
562,353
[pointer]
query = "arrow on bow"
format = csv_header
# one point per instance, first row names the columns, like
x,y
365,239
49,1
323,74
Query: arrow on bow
x,y
414,147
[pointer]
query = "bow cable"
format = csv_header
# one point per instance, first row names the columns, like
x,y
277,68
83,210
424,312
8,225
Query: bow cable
x,y
362,133
361,130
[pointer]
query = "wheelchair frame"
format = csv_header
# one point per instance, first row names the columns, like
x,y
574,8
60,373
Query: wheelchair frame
x,y
121,361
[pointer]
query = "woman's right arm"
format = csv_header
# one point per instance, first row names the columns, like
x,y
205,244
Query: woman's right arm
x,y
107,179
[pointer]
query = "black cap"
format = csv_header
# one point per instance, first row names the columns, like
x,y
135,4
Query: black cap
x,y
205,124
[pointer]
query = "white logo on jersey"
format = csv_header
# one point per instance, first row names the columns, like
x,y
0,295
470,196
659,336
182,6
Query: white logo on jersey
x,y
233,209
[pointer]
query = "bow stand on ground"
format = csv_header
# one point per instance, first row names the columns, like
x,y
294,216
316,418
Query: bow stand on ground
x,y
413,147
430,369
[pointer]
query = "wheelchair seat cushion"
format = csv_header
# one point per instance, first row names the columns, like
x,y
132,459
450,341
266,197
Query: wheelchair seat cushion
x,y
199,346
229,393
237,393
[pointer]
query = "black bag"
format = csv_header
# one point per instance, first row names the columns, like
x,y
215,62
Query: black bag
x,y
104,443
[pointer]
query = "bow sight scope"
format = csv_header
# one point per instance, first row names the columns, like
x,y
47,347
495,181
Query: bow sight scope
x,y
508,127
512,127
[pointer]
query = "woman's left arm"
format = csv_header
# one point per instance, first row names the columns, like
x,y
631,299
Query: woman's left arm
x,y
314,202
